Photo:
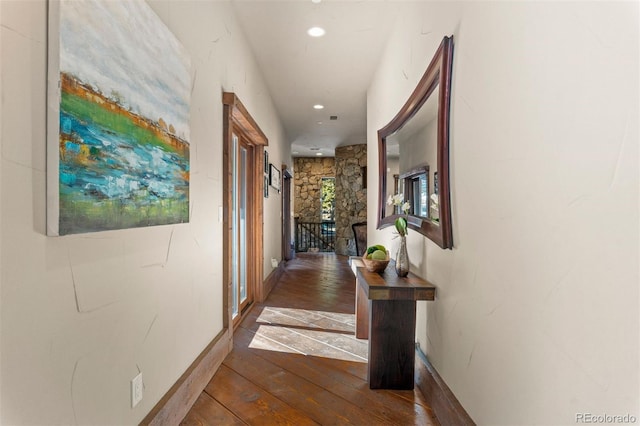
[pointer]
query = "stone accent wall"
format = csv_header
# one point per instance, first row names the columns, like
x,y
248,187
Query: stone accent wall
x,y
351,195
308,174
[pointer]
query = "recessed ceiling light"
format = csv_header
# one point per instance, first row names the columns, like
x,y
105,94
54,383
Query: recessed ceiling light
x,y
316,32
318,153
318,106
295,152
319,122
316,1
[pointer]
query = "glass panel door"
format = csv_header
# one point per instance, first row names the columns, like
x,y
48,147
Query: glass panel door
x,y
240,217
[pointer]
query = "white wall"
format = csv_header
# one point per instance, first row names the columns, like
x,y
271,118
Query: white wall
x,y
536,314
1,273
82,314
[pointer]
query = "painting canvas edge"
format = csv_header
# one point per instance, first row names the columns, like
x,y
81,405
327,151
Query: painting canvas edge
x,y
53,119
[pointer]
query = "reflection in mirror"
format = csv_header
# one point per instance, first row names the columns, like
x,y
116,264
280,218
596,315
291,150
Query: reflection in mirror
x,y
413,154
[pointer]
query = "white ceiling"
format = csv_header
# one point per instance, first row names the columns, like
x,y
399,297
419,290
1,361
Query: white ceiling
x,y
334,70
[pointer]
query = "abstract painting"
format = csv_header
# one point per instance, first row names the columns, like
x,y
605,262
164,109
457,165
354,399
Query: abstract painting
x,y
118,130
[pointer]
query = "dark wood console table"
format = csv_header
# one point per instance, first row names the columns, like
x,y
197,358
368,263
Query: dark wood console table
x,y
386,315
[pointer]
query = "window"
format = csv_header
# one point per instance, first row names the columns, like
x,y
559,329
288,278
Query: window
x,y
415,187
328,199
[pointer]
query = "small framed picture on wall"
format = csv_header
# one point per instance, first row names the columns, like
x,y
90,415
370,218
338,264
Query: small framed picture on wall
x,y
274,177
266,162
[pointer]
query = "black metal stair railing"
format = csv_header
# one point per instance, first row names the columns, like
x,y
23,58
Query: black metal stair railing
x,y
315,236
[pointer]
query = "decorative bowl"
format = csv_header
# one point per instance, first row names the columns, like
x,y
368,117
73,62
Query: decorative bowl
x,y
373,265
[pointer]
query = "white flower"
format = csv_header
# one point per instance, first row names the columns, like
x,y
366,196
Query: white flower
x,y
396,200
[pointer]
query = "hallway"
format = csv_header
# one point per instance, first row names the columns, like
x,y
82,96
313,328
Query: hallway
x,y
296,360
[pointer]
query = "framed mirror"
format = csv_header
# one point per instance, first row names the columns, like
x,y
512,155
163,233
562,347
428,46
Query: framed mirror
x,y
413,152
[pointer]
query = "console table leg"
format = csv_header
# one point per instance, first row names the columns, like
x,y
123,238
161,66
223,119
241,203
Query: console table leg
x,y
392,328
362,313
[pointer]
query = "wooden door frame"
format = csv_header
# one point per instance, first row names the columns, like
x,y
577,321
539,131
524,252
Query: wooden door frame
x,y
238,120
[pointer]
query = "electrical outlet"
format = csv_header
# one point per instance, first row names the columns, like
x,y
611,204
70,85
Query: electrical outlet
x,y
136,390
274,262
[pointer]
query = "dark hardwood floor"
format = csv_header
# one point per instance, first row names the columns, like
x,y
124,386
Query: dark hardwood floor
x,y
296,360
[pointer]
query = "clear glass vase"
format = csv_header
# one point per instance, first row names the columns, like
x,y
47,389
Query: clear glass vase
x,y
402,258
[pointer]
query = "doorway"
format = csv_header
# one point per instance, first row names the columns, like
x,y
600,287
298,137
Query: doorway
x,y
287,247
242,243
242,212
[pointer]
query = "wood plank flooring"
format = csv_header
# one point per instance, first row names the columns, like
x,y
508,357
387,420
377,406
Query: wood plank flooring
x,y
296,360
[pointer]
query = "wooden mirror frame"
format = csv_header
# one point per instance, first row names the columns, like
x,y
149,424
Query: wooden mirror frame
x,y
438,73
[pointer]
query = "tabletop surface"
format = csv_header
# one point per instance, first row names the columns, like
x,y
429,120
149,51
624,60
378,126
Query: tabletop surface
x,y
387,285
